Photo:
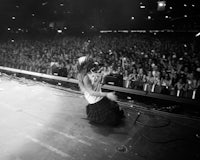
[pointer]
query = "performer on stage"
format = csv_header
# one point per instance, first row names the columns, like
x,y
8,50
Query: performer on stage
x,y
102,107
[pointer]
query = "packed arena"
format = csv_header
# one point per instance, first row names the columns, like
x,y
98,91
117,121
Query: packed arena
x,y
158,63
99,80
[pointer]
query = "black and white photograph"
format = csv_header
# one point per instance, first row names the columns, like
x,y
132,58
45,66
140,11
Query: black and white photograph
x,y
99,80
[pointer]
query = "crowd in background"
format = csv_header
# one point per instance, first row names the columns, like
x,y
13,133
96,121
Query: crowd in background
x,y
161,64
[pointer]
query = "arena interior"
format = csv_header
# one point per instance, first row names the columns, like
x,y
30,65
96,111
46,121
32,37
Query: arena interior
x,y
151,52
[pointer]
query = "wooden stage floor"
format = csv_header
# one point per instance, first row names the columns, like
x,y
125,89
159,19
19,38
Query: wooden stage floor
x,y
40,122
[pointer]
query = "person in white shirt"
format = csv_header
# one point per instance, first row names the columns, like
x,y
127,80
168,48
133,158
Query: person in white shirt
x,y
102,107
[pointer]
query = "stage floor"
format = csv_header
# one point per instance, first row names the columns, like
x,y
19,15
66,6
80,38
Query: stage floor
x,y
40,122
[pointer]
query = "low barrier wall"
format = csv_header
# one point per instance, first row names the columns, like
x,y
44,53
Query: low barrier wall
x,y
73,83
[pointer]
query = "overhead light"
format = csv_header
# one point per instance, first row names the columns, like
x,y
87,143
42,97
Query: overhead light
x,y
59,31
123,31
185,15
33,14
62,4
161,5
170,8
9,29
166,16
13,17
45,3
132,18
149,17
198,34
142,7
185,5
106,31
193,5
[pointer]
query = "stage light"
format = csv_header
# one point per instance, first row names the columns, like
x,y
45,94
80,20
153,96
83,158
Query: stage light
x,y
142,7
166,16
161,5
13,18
170,8
61,4
197,35
132,18
33,14
185,5
185,16
193,5
45,3
149,17
9,29
59,31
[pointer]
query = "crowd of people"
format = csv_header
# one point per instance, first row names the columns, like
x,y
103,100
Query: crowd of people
x,y
161,64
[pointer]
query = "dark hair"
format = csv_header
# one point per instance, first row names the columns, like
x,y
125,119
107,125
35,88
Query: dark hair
x,y
85,66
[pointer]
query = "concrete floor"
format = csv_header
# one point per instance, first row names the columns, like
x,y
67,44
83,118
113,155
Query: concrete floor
x,y
38,122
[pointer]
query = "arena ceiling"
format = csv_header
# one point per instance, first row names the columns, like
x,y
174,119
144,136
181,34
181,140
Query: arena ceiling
x,y
99,14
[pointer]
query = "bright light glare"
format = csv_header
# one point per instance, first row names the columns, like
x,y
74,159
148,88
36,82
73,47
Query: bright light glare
x,y
198,34
45,3
161,3
59,31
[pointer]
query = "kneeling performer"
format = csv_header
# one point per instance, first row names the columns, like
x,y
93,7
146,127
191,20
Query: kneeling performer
x,y
102,107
